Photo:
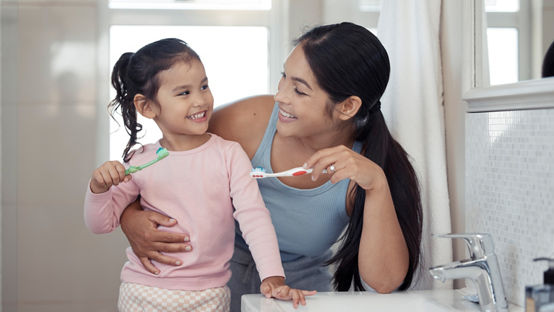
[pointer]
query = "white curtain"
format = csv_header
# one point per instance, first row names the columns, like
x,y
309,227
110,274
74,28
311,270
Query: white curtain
x,y
413,107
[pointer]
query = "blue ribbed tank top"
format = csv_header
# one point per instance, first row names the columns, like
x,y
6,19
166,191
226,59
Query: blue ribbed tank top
x,y
307,221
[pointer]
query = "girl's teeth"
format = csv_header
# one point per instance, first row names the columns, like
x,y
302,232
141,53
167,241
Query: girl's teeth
x,y
196,116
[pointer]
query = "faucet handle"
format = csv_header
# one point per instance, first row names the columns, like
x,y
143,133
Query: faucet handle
x,y
479,244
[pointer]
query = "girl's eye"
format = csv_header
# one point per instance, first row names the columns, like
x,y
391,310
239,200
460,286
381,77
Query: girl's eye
x,y
184,93
204,87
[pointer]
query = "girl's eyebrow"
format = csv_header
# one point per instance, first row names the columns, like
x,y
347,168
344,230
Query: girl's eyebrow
x,y
177,88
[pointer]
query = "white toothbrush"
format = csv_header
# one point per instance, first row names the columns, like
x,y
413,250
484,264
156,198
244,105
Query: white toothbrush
x,y
259,173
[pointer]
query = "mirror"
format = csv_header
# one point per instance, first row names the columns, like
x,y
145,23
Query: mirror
x,y
519,32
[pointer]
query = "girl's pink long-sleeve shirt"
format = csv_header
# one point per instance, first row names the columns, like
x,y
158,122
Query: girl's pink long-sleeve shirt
x,y
199,189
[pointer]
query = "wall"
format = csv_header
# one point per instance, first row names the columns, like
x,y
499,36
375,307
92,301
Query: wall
x,y
510,177
50,262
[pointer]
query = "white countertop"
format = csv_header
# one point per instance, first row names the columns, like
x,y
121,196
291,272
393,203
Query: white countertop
x,y
426,300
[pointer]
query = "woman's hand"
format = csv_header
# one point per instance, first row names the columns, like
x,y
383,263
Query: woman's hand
x,y
274,286
343,163
147,241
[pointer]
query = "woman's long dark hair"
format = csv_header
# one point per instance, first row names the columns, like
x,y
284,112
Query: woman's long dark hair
x,y
137,73
348,60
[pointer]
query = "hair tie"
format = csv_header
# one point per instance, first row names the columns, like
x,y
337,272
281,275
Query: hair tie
x,y
376,107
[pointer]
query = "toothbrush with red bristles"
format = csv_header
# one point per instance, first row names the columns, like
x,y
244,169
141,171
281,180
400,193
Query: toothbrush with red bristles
x,y
259,173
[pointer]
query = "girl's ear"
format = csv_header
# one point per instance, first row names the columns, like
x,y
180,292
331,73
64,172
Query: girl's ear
x,y
349,107
144,106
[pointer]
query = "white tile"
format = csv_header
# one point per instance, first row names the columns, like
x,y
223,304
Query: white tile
x,y
510,190
56,54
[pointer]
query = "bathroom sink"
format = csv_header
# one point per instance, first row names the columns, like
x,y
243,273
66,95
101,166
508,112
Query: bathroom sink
x,y
427,300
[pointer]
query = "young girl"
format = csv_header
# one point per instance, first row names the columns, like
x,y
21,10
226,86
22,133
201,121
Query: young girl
x,y
198,185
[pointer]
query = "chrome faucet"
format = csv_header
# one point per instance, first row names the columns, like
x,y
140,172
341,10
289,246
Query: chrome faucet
x,y
482,268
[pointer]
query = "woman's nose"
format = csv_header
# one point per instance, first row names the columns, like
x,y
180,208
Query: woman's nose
x,y
280,95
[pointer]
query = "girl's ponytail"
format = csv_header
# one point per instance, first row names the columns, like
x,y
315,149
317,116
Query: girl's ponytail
x,y
124,99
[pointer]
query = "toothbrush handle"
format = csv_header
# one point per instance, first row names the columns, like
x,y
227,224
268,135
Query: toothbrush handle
x,y
132,169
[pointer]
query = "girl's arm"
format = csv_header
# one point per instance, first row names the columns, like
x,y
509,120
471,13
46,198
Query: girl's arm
x,y
257,229
383,257
108,192
243,121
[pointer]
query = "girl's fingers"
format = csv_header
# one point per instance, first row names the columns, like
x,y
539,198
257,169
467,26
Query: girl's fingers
x,y
106,179
295,298
266,290
114,174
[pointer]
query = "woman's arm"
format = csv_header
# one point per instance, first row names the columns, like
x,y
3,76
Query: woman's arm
x,y
147,241
383,257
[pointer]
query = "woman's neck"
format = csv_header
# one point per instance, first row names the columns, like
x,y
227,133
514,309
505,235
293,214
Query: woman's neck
x,y
312,144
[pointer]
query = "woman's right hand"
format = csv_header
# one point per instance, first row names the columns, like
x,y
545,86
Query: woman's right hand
x,y
147,241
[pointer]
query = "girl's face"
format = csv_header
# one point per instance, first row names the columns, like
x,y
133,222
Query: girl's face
x,y
185,102
302,103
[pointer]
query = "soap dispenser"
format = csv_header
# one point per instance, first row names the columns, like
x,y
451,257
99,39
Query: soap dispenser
x,y
540,298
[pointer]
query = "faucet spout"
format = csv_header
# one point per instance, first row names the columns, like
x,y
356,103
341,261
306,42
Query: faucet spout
x,y
482,269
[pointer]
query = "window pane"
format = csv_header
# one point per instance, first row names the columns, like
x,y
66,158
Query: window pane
x,y
503,55
501,5
192,4
235,59
370,5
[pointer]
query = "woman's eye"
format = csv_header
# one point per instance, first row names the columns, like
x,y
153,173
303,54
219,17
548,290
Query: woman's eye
x,y
283,75
299,92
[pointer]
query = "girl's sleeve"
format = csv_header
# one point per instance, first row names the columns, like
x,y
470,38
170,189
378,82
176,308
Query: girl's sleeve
x,y
102,211
252,215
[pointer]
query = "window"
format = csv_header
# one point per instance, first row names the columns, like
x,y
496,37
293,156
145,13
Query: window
x,y
232,40
508,40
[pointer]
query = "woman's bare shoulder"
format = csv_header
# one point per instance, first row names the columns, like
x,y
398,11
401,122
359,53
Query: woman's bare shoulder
x,y
243,121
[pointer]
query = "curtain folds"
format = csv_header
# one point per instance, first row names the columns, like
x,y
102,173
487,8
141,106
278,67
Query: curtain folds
x,y
413,107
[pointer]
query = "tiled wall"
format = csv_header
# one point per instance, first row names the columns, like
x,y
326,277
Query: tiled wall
x,y
51,262
510,190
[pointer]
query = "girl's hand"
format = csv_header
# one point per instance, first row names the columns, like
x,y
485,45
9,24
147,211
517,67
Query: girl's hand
x,y
274,286
108,174
343,163
147,242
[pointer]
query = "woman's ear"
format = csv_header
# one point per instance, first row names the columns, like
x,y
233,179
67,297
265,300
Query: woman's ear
x,y
144,106
349,107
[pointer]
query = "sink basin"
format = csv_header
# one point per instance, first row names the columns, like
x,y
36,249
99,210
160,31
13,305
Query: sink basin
x,y
427,300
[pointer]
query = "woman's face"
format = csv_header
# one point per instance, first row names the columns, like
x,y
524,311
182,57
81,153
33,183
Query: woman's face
x,y
302,103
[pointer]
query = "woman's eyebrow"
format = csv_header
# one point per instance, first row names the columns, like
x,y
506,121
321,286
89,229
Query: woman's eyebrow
x,y
302,81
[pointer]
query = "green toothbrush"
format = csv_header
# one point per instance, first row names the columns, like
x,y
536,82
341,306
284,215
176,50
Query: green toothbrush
x,y
161,153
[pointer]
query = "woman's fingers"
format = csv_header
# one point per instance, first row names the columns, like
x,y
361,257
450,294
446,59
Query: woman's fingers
x,y
149,266
161,258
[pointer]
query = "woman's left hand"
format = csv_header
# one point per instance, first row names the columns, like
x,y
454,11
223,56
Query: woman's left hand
x,y
344,163
274,286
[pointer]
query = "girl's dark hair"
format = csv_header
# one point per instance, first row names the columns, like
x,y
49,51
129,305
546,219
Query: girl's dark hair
x,y
137,73
348,60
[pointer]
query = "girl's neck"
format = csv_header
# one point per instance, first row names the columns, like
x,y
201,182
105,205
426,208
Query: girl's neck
x,y
184,142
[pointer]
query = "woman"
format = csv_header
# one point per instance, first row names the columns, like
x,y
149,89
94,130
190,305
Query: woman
x,y
326,115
